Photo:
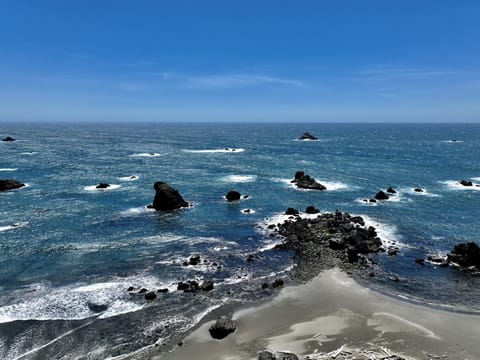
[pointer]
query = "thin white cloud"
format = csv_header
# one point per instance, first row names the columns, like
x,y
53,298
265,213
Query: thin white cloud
x,y
235,81
392,71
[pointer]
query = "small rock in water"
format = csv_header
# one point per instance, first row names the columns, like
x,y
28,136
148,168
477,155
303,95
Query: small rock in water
x,y
466,183
10,185
96,308
8,138
418,190
131,288
312,210
150,296
233,195
307,136
194,260
291,211
381,196
207,285
167,198
102,186
391,190
420,261
164,290
277,283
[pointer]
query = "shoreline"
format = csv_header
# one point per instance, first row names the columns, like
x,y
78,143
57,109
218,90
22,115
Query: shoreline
x,y
333,314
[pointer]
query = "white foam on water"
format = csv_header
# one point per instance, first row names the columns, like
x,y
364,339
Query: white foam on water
x,y
94,188
476,178
425,192
71,302
455,185
13,226
129,178
137,211
8,169
453,141
146,155
386,232
367,203
29,153
239,178
214,151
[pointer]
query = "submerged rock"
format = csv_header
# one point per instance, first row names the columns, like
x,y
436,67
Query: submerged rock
x,y
307,136
304,181
167,198
10,185
222,328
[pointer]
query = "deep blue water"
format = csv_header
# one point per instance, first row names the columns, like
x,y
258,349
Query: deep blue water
x,y
75,245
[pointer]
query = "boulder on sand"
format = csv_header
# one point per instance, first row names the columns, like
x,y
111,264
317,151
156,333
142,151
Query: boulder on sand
x,y
10,185
222,328
167,198
304,181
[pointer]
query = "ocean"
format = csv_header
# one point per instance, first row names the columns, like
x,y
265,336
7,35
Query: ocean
x,y
69,252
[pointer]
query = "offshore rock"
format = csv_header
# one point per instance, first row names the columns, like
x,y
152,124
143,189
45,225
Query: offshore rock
x,y
167,198
222,328
466,255
102,186
10,185
466,183
304,181
307,136
233,195
8,138
381,196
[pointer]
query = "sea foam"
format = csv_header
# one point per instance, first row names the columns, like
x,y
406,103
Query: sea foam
x,y
214,151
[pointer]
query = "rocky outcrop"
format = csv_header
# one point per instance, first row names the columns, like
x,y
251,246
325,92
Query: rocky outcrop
x,y
307,136
329,240
222,328
304,181
233,195
167,198
466,255
8,138
10,185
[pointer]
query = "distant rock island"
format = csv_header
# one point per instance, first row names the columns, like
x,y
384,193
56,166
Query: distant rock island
x,y
304,181
8,138
307,136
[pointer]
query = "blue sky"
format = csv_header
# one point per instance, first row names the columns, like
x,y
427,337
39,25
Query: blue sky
x,y
263,60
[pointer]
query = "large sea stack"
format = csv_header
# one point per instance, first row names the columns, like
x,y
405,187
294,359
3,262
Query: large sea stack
x,y
304,181
167,198
10,185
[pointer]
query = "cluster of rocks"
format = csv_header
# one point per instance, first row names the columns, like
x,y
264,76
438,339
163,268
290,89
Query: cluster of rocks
x,y
331,239
307,136
304,181
10,184
148,294
193,286
464,256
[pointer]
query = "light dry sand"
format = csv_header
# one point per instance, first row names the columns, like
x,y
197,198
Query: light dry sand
x,y
334,317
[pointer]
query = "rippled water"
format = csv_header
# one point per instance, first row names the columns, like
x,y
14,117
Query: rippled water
x,y
65,244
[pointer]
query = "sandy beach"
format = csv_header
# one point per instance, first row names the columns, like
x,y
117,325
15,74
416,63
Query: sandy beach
x,y
333,317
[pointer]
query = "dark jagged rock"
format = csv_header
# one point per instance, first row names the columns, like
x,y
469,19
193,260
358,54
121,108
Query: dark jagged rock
x,y
466,183
10,185
207,285
465,255
150,296
142,291
102,186
391,190
188,287
222,328
97,308
381,196
166,198
311,210
420,261
130,288
194,260
266,355
307,136
233,195
304,181
291,211
418,190
8,138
